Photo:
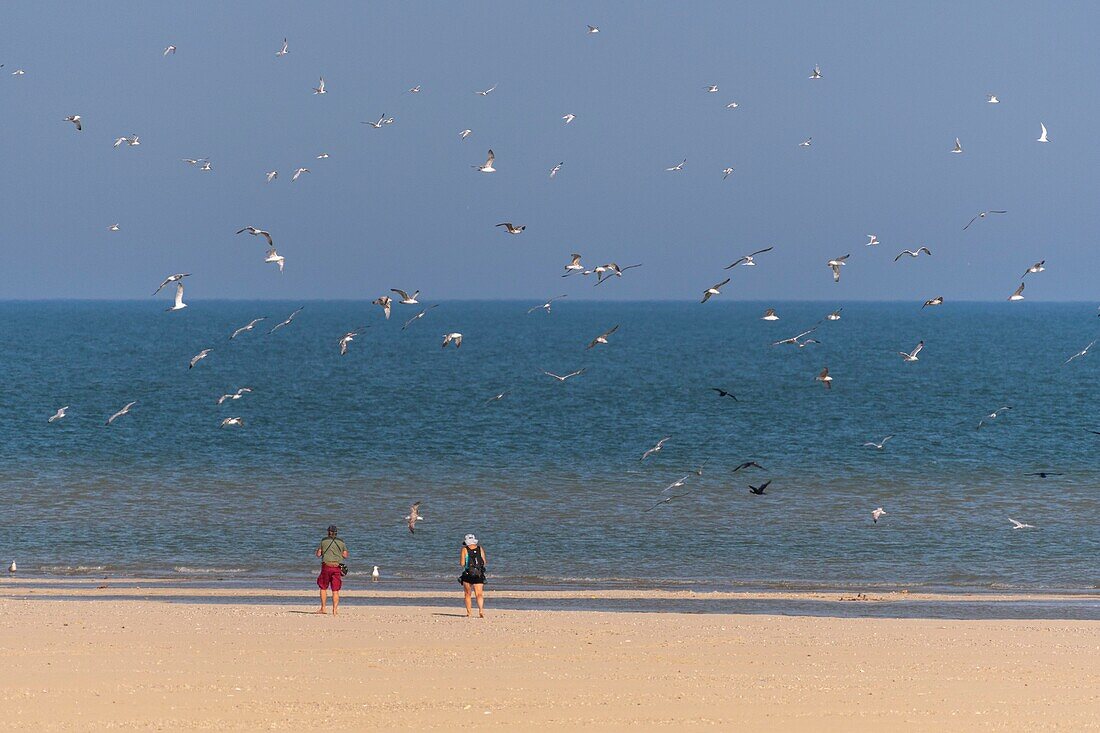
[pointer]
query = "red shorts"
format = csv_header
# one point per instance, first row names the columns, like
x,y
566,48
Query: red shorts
x,y
330,575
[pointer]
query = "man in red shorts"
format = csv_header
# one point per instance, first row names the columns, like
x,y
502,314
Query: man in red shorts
x,y
332,552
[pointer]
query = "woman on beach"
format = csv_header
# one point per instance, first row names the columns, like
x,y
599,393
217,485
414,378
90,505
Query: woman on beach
x,y
473,561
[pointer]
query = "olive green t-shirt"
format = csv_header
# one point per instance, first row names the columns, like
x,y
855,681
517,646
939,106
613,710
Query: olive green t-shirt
x,y
332,550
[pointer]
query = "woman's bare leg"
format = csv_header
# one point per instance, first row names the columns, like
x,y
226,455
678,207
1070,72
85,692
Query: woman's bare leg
x,y
479,591
466,590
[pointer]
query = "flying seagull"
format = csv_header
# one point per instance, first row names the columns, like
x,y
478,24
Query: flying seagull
x,y
880,512
872,240
406,299
276,258
234,395
992,99
413,517
836,264
545,306
198,357
759,490
806,143
726,173
769,315
574,265
178,305
604,274
732,105
958,147
271,175
1082,352
834,316
656,448
592,29
487,167
415,90
569,117
982,215
912,355
567,376
794,340
485,93
1019,294
1043,474
602,338
124,411
723,393
678,167
230,422
418,316
171,279
713,290
748,260
113,228
993,415
346,339
465,133
452,338
75,119
61,412
170,49
297,173
938,300
1042,137
283,51
258,233
385,302
289,318
816,73
320,88
511,228
556,168
879,445
129,140
1037,267
382,121
1020,525
911,253
251,324
824,378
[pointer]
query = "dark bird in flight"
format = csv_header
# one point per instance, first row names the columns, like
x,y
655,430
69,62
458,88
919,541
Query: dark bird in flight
x,y
1044,474
749,464
759,490
723,393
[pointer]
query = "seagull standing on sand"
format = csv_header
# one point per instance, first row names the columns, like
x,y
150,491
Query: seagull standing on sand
x,y
1019,294
412,518
879,445
171,279
289,318
602,338
487,166
1020,525
656,448
748,260
713,290
198,357
124,411
911,253
385,302
912,355
546,306
374,575
12,568
836,264
178,305
880,512
1080,353
249,327
61,412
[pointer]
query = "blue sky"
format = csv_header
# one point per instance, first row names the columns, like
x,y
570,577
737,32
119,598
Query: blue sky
x,y
401,206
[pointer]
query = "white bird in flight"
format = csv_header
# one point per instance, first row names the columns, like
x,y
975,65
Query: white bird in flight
x,y
385,302
171,279
178,305
487,166
713,290
816,73
938,300
569,117
824,378
574,265
170,49
406,299
593,29
795,340
61,412
258,233
272,175
346,339
982,215
806,143
958,147
726,173
124,411
872,240
113,228
275,258
912,253
877,513
656,448
732,105
75,119
1037,267
284,50
567,376
711,88
834,316
602,338
912,355
1020,525
130,140
198,357
251,324
418,316
485,93
993,415
383,120
546,306
555,169
232,422
1043,136
1080,353
992,99
1019,294
769,315
679,167
320,88
465,133
749,259
455,338
289,318
234,395
298,172
879,445
835,265
512,228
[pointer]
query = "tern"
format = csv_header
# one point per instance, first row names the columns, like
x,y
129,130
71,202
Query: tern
x,y
567,376
272,175
1037,267
555,169
992,99
602,338
713,290
407,299
230,422
834,316
284,50
656,448
465,133
769,315
806,143
320,88
251,325
726,173
1082,352
412,518
485,93
1019,294
170,49
258,233
385,302
592,29
911,253
545,306
61,412
198,357
760,490
938,300
417,317
1042,137
824,378
346,339
879,445
678,167
178,305
298,172
382,121
75,119
569,117
723,393
795,340
1020,525
748,260
993,415
982,215
574,265
749,464
487,167
452,338
912,355
872,240
234,395
276,258
171,279
512,229
836,264
880,512
289,318
816,73
124,411
958,147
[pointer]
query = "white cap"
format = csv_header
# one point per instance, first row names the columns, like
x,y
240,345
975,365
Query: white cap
x,y
469,540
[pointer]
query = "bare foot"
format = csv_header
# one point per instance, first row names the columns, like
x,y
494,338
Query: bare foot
x,y
480,615
321,611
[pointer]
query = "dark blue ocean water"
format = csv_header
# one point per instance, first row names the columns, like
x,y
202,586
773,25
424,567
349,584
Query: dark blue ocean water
x,y
549,477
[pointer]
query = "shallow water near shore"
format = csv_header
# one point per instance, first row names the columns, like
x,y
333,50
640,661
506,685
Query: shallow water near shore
x,y
549,477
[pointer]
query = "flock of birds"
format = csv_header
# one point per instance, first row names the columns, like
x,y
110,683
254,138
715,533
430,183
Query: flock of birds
x,y
602,273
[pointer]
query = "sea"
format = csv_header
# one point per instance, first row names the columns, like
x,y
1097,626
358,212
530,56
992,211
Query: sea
x,y
550,476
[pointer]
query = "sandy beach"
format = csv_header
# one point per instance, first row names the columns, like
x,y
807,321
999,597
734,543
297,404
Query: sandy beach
x,y
159,658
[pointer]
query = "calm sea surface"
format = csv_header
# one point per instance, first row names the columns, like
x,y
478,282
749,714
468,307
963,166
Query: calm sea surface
x,y
549,477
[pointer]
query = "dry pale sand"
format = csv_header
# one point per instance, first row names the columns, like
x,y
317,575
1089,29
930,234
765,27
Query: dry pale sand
x,y
144,660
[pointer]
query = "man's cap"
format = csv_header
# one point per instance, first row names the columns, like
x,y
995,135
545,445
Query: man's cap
x,y
332,529
469,540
